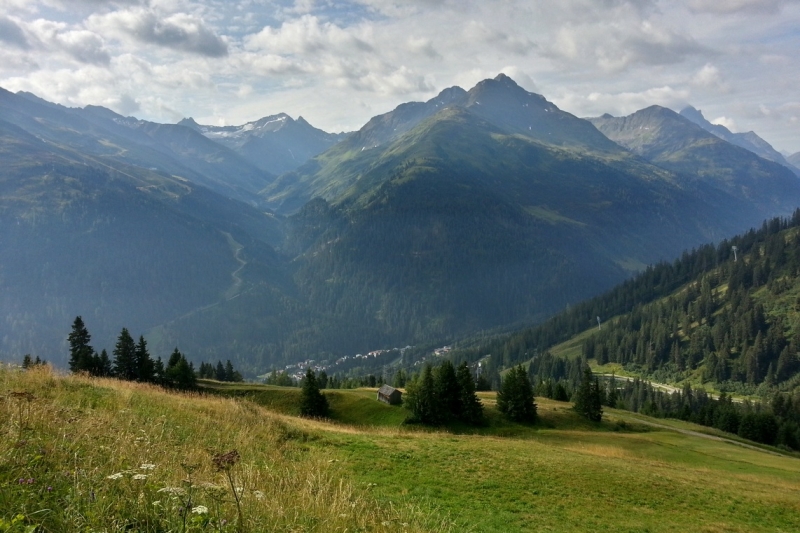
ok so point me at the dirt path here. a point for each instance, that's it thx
(698, 434)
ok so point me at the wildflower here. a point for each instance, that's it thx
(386, 523)
(147, 466)
(115, 476)
(139, 477)
(200, 509)
(258, 494)
(224, 461)
(49, 489)
(173, 491)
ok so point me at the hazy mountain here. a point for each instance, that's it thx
(755, 185)
(794, 159)
(749, 140)
(118, 244)
(173, 149)
(275, 144)
(500, 101)
(477, 209)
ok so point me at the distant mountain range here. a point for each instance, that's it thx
(274, 241)
(749, 141)
(275, 144)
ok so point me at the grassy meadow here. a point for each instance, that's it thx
(97, 455)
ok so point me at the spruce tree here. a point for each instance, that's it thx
(125, 356)
(588, 398)
(515, 397)
(144, 365)
(471, 407)
(421, 398)
(312, 401)
(448, 391)
(80, 352)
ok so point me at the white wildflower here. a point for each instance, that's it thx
(115, 476)
(173, 491)
(147, 466)
(200, 509)
(258, 494)
(139, 477)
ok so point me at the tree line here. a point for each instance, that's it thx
(132, 362)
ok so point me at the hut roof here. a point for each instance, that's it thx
(386, 390)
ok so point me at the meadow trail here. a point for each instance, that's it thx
(699, 434)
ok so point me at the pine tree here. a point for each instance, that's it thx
(220, 373)
(180, 374)
(104, 367)
(80, 352)
(229, 371)
(471, 407)
(448, 391)
(421, 398)
(27, 362)
(125, 356)
(515, 397)
(588, 398)
(312, 401)
(144, 365)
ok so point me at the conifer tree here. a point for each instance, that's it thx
(312, 401)
(103, 367)
(448, 391)
(144, 365)
(515, 397)
(421, 398)
(588, 398)
(80, 352)
(471, 407)
(125, 356)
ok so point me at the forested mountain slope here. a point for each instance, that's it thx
(724, 314)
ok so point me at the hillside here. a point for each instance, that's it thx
(721, 317)
(128, 447)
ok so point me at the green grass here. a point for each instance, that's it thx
(365, 470)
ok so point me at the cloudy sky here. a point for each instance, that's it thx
(339, 63)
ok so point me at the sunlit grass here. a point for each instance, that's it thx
(80, 454)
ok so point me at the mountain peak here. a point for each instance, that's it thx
(189, 123)
(693, 114)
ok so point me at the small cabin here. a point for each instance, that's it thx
(390, 395)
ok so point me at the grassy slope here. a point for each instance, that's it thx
(563, 474)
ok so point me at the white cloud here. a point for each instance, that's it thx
(307, 35)
(737, 6)
(178, 31)
(727, 122)
(624, 103)
(709, 77)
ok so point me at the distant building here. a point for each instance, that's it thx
(390, 395)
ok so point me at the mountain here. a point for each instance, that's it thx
(752, 184)
(794, 159)
(275, 144)
(482, 208)
(85, 233)
(749, 140)
(100, 132)
(477, 209)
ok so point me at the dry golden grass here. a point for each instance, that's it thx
(105, 455)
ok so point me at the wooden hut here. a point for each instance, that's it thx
(390, 395)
